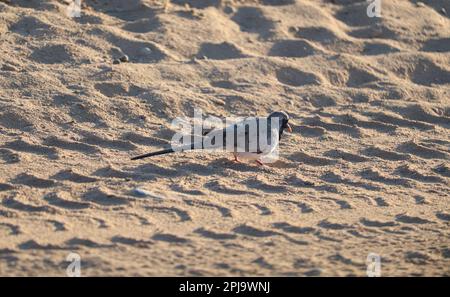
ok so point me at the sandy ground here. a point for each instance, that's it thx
(367, 169)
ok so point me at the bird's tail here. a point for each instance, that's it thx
(169, 151)
(162, 152)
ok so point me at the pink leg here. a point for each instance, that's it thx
(259, 162)
(236, 159)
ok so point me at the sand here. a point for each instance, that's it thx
(365, 171)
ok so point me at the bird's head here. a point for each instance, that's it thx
(283, 120)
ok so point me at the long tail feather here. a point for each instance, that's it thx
(162, 152)
(168, 151)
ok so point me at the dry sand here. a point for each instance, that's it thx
(367, 169)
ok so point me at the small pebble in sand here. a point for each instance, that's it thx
(420, 4)
(7, 67)
(124, 59)
(229, 9)
(116, 61)
(146, 51)
(293, 29)
(141, 192)
(443, 11)
(144, 193)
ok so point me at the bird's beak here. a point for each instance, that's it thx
(289, 128)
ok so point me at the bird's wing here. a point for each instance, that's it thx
(243, 136)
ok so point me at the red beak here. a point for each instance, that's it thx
(289, 128)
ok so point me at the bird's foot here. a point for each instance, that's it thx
(236, 159)
(259, 163)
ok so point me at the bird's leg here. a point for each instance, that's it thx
(259, 162)
(236, 158)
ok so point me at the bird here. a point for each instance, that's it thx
(255, 138)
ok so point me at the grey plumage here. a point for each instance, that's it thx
(243, 135)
